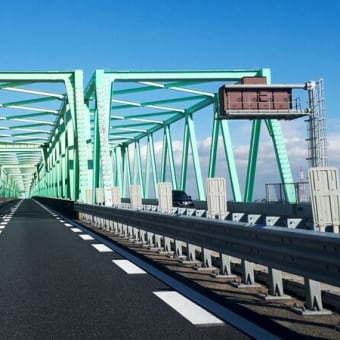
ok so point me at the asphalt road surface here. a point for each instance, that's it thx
(57, 282)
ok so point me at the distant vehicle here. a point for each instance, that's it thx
(181, 199)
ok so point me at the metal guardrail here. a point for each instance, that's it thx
(313, 255)
(298, 215)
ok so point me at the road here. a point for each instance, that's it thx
(58, 282)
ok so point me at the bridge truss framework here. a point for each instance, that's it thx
(61, 139)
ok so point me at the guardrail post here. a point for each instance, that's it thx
(142, 235)
(225, 266)
(313, 305)
(125, 231)
(191, 255)
(135, 234)
(248, 277)
(130, 232)
(150, 239)
(158, 242)
(167, 246)
(179, 249)
(207, 260)
(275, 286)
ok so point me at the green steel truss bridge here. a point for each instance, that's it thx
(59, 138)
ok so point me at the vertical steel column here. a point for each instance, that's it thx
(63, 160)
(214, 146)
(252, 160)
(103, 96)
(96, 158)
(44, 180)
(274, 127)
(138, 174)
(58, 168)
(126, 172)
(275, 132)
(117, 167)
(52, 192)
(190, 134)
(71, 142)
(83, 132)
(150, 166)
(228, 149)
(223, 125)
(78, 158)
(185, 156)
(66, 164)
(164, 158)
(171, 157)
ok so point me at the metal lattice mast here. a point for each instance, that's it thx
(316, 131)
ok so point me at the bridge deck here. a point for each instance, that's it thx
(56, 284)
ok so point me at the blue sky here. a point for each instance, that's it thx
(297, 39)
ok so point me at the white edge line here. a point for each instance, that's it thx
(86, 237)
(129, 267)
(102, 248)
(76, 230)
(188, 309)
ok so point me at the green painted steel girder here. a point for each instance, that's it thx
(88, 133)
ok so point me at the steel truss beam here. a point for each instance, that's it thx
(120, 131)
(131, 107)
(58, 96)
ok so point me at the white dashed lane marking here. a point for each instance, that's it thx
(86, 237)
(128, 267)
(102, 248)
(2, 226)
(76, 230)
(189, 310)
(68, 225)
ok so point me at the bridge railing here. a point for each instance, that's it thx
(310, 254)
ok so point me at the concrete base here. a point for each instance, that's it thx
(222, 276)
(207, 269)
(193, 263)
(274, 297)
(306, 312)
(244, 285)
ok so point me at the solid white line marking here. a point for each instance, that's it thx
(86, 237)
(76, 230)
(192, 312)
(68, 225)
(129, 267)
(102, 247)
